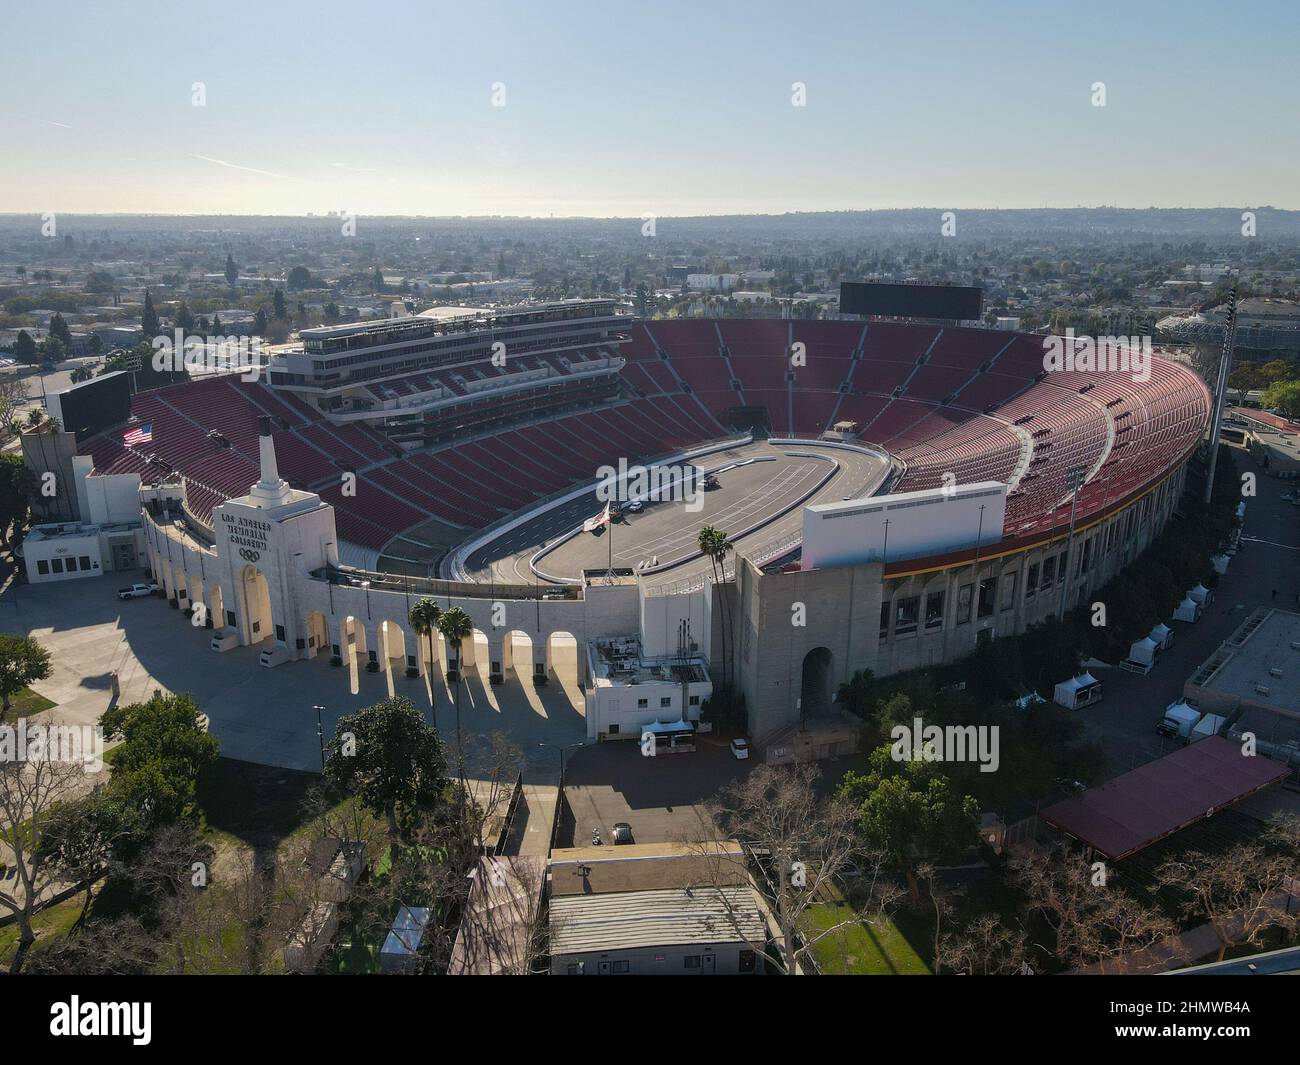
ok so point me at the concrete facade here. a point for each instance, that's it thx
(800, 635)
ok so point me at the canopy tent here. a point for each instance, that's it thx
(1200, 594)
(1188, 610)
(1134, 810)
(1079, 691)
(1141, 655)
(1163, 635)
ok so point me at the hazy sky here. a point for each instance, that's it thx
(657, 108)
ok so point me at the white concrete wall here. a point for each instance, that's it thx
(62, 548)
(930, 522)
(662, 614)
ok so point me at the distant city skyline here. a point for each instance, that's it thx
(586, 111)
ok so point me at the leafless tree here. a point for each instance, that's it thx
(1238, 892)
(986, 946)
(13, 394)
(30, 792)
(1093, 921)
(797, 848)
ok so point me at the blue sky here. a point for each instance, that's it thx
(665, 108)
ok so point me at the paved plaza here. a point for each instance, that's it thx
(259, 714)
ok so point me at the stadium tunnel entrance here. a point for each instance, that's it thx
(815, 686)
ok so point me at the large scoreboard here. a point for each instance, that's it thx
(94, 405)
(960, 303)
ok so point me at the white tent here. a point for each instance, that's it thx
(1163, 636)
(1200, 594)
(1188, 610)
(1080, 691)
(1241, 509)
(1141, 655)
(1220, 564)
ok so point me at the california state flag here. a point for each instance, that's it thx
(592, 524)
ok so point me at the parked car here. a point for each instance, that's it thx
(622, 832)
(138, 591)
(635, 507)
(740, 748)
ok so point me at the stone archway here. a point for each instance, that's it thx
(352, 649)
(316, 634)
(562, 657)
(815, 683)
(392, 652)
(517, 653)
(255, 606)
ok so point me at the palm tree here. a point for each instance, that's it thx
(456, 626)
(714, 543)
(424, 620)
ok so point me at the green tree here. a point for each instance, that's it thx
(232, 271)
(164, 751)
(16, 486)
(713, 542)
(260, 323)
(391, 759)
(280, 310)
(424, 620)
(456, 626)
(59, 328)
(25, 347)
(52, 351)
(22, 660)
(1284, 396)
(909, 811)
(184, 317)
(84, 835)
(149, 318)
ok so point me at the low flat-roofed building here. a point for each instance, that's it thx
(1257, 667)
(631, 691)
(657, 908)
(66, 551)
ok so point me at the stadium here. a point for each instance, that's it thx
(457, 453)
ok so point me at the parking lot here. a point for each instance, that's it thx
(661, 798)
(1265, 572)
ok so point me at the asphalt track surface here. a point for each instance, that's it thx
(748, 495)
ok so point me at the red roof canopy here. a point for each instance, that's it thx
(1135, 810)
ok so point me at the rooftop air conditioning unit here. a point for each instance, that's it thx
(1263, 689)
(1275, 672)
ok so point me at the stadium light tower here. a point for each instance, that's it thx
(1221, 392)
(1075, 478)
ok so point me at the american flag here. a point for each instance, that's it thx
(141, 435)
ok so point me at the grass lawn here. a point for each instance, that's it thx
(51, 924)
(24, 703)
(874, 949)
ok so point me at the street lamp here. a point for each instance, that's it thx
(320, 736)
(563, 751)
